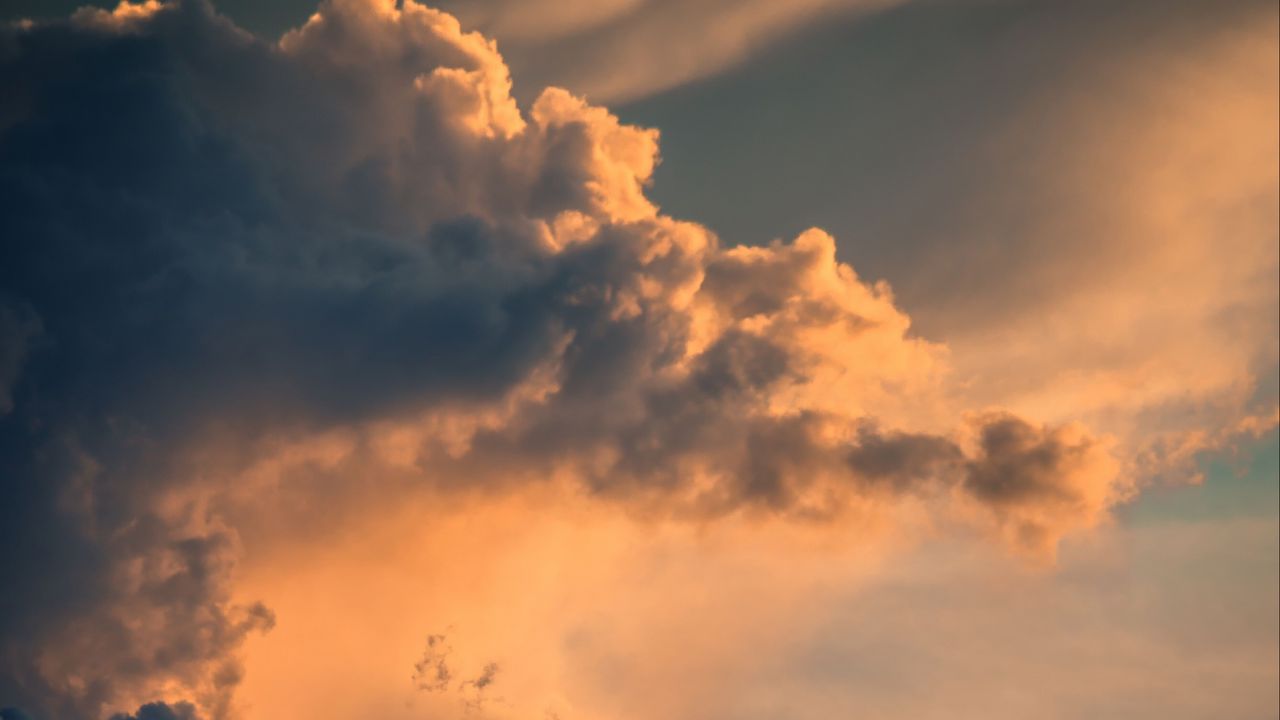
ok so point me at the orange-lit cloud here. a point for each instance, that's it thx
(332, 323)
(1141, 295)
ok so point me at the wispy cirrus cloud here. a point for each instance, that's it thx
(622, 50)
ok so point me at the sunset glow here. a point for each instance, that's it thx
(632, 360)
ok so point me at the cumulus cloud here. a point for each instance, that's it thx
(351, 252)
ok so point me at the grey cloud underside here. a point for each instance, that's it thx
(208, 235)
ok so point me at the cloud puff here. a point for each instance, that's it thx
(355, 233)
(161, 711)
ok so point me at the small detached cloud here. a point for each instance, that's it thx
(434, 674)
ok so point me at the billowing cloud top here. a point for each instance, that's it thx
(351, 251)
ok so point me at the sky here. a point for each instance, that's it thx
(639, 360)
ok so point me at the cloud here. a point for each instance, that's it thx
(161, 711)
(431, 673)
(18, 327)
(254, 287)
(593, 617)
(1039, 482)
(1086, 221)
(621, 50)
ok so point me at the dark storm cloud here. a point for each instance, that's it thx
(166, 273)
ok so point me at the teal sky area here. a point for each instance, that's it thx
(1245, 484)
